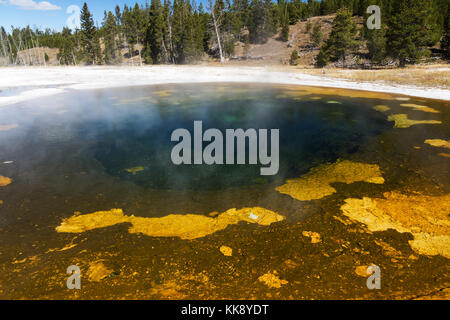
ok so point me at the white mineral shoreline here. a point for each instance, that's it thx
(37, 82)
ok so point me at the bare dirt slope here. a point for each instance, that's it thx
(36, 56)
(276, 51)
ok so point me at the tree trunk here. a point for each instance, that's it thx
(139, 50)
(165, 51)
(169, 26)
(216, 28)
(4, 49)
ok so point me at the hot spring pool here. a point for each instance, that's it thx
(93, 151)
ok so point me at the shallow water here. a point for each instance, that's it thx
(96, 150)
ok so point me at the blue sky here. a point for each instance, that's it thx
(51, 13)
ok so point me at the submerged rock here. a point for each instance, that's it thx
(226, 251)
(438, 143)
(316, 183)
(381, 108)
(4, 181)
(314, 236)
(135, 170)
(272, 280)
(425, 217)
(420, 108)
(187, 226)
(362, 271)
(98, 271)
(402, 121)
(163, 93)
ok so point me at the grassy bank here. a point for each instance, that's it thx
(437, 75)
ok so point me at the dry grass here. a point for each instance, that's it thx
(426, 75)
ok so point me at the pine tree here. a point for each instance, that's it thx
(284, 19)
(262, 22)
(293, 61)
(376, 44)
(316, 35)
(435, 20)
(410, 30)
(284, 32)
(342, 41)
(119, 42)
(186, 48)
(192, 47)
(205, 31)
(154, 39)
(313, 8)
(177, 21)
(109, 38)
(66, 50)
(97, 47)
(88, 35)
(129, 29)
(322, 58)
(308, 26)
(297, 10)
(169, 40)
(240, 19)
(199, 32)
(140, 26)
(445, 43)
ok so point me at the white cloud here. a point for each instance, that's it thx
(33, 5)
(3, 2)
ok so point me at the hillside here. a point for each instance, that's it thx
(275, 51)
(36, 56)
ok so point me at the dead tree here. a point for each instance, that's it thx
(216, 22)
(169, 27)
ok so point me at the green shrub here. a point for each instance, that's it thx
(294, 58)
